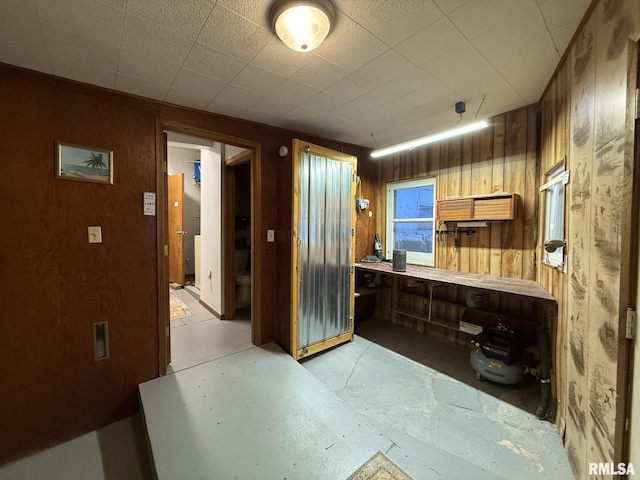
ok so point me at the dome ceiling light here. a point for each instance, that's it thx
(302, 24)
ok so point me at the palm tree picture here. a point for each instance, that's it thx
(84, 164)
(96, 160)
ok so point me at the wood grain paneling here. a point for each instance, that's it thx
(502, 158)
(580, 121)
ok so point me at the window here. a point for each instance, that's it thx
(556, 178)
(410, 219)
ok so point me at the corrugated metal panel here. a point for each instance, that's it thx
(325, 248)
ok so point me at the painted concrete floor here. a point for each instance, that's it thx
(431, 423)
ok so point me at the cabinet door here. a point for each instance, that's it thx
(461, 209)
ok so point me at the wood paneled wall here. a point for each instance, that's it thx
(585, 112)
(55, 284)
(501, 158)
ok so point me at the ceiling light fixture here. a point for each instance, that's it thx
(302, 24)
(472, 127)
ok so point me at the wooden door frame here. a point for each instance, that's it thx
(162, 228)
(630, 268)
(229, 208)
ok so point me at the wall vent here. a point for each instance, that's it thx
(100, 341)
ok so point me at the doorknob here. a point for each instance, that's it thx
(181, 232)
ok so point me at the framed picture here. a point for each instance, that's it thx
(84, 164)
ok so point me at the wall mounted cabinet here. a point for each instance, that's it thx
(497, 207)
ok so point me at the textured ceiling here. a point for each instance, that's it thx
(391, 70)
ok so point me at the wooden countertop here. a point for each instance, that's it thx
(527, 289)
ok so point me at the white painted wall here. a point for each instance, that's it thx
(211, 287)
(180, 160)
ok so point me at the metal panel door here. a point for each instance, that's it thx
(323, 249)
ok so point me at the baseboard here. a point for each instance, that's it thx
(210, 309)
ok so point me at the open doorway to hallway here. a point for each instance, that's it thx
(209, 230)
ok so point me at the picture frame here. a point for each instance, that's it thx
(84, 164)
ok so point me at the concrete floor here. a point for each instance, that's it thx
(434, 420)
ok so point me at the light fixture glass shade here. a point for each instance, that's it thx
(302, 25)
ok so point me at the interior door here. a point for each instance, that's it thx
(176, 228)
(323, 248)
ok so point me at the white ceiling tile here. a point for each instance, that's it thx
(322, 103)
(233, 34)
(413, 80)
(185, 17)
(294, 91)
(260, 116)
(138, 86)
(529, 87)
(255, 10)
(188, 98)
(64, 67)
(396, 20)
(511, 44)
(353, 8)
(348, 111)
(274, 105)
(258, 80)
(463, 59)
(189, 80)
(448, 6)
(431, 42)
(276, 57)
(558, 13)
(213, 63)
(562, 35)
(320, 73)
(381, 70)
(152, 68)
(240, 96)
(89, 18)
(21, 40)
(86, 50)
(351, 46)
(222, 107)
(146, 38)
(346, 89)
(478, 16)
(117, 4)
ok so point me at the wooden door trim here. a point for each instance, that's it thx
(162, 228)
(228, 202)
(162, 246)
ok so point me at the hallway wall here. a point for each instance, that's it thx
(56, 284)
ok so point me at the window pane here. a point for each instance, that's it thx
(416, 202)
(413, 236)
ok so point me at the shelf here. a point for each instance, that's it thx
(497, 207)
(439, 323)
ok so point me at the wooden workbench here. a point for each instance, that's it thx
(525, 289)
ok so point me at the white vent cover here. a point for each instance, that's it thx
(100, 341)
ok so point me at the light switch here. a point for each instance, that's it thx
(271, 236)
(95, 234)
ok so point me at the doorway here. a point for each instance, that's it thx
(197, 164)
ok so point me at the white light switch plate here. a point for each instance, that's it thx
(95, 234)
(271, 236)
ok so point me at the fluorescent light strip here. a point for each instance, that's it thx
(429, 139)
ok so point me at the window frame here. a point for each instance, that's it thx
(416, 258)
(555, 201)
